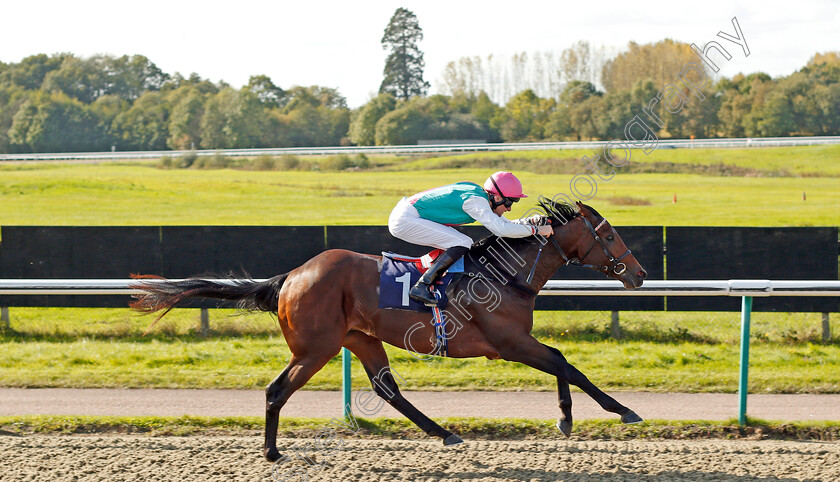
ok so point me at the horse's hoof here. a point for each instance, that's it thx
(452, 440)
(272, 455)
(631, 417)
(565, 427)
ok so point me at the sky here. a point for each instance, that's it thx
(337, 43)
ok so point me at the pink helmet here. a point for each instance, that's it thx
(505, 182)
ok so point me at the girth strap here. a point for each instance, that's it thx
(442, 341)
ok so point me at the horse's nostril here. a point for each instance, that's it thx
(642, 274)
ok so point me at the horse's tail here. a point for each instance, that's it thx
(158, 293)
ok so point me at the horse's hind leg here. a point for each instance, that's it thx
(370, 352)
(296, 374)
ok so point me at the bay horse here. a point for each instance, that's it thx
(332, 300)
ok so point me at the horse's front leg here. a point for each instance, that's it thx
(548, 359)
(564, 423)
(564, 397)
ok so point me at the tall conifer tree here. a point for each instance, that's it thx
(403, 74)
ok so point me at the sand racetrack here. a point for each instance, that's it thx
(225, 458)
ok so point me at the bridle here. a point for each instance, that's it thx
(616, 266)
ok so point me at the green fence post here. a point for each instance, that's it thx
(746, 310)
(346, 380)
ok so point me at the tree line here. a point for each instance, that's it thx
(582, 95)
(51, 103)
(65, 103)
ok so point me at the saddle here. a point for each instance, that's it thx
(424, 262)
(398, 273)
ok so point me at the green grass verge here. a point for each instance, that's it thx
(252, 362)
(73, 324)
(468, 428)
(660, 351)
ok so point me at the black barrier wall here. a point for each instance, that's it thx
(752, 253)
(31, 252)
(258, 251)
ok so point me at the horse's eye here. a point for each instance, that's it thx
(610, 237)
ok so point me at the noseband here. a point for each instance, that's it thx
(616, 266)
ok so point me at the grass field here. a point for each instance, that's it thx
(142, 194)
(99, 195)
(808, 161)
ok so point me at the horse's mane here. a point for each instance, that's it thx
(562, 212)
(558, 211)
(554, 213)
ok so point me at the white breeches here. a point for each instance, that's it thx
(405, 223)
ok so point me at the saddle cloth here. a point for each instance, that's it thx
(399, 273)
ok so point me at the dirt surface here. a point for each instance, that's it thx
(533, 405)
(338, 454)
(117, 458)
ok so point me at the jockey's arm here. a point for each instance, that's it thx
(479, 209)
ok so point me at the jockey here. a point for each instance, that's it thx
(426, 219)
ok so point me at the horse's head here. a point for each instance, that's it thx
(585, 238)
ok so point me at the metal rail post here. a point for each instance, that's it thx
(615, 327)
(826, 327)
(205, 322)
(4, 317)
(346, 380)
(746, 311)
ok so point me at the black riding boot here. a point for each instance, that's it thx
(420, 292)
